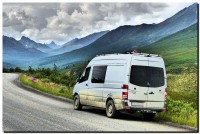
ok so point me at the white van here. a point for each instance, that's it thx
(134, 82)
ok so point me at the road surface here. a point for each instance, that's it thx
(27, 111)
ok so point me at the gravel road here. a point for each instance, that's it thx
(30, 112)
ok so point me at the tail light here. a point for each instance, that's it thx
(125, 86)
(125, 92)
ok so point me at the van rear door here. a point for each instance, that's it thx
(147, 82)
(157, 83)
(137, 93)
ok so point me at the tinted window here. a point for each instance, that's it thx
(147, 76)
(156, 78)
(98, 74)
(138, 76)
(85, 75)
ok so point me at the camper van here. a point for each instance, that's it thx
(133, 82)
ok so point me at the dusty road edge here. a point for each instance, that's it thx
(20, 84)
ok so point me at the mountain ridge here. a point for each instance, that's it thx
(77, 43)
(17, 54)
(125, 38)
(53, 45)
(28, 43)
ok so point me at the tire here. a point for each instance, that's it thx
(111, 111)
(149, 116)
(77, 105)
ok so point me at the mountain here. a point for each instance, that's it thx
(28, 43)
(53, 45)
(86, 40)
(78, 43)
(126, 38)
(177, 49)
(14, 53)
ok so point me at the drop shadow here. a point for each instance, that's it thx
(94, 110)
(121, 115)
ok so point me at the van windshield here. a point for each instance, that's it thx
(146, 76)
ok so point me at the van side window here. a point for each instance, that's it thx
(98, 74)
(85, 75)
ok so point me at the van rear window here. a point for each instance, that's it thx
(98, 74)
(146, 76)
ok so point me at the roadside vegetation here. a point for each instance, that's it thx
(182, 105)
(179, 111)
(13, 70)
(53, 81)
(47, 86)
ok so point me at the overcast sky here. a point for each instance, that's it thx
(61, 22)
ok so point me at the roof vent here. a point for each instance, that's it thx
(131, 52)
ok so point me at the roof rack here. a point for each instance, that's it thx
(140, 53)
(134, 52)
(107, 54)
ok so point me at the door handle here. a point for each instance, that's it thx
(151, 93)
(145, 93)
(148, 84)
(86, 84)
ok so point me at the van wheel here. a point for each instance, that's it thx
(77, 105)
(111, 111)
(149, 116)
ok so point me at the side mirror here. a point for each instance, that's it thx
(78, 79)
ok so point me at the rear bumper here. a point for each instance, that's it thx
(128, 108)
(143, 110)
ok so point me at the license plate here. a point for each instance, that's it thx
(136, 104)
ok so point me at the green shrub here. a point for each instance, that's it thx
(183, 86)
(62, 89)
(47, 87)
(69, 93)
(179, 111)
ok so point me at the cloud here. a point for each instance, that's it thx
(78, 20)
(62, 22)
(32, 32)
(70, 8)
(18, 19)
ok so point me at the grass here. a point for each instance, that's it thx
(180, 112)
(183, 87)
(178, 50)
(183, 100)
(45, 85)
